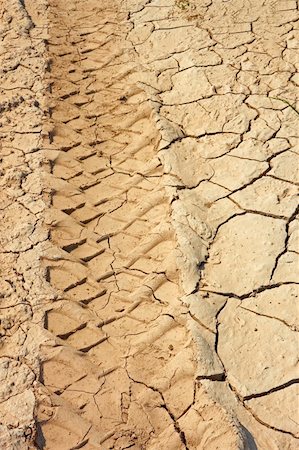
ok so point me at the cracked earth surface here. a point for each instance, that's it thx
(149, 229)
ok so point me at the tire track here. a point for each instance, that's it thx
(118, 370)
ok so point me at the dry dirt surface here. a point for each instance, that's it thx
(149, 224)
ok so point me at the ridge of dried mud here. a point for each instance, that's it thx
(149, 285)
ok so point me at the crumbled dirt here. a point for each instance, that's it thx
(149, 225)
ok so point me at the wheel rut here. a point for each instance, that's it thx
(119, 369)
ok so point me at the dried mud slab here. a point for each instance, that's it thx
(24, 291)
(149, 229)
(225, 94)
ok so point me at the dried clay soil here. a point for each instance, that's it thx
(149, 229)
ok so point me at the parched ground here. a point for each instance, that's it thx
(149, 224)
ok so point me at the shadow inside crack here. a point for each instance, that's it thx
(251, 445)
(39, 440)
